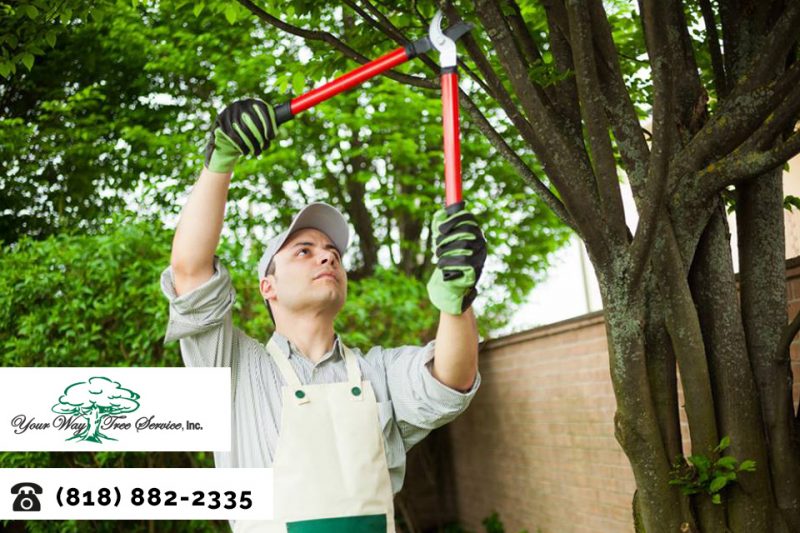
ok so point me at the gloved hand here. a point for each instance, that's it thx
(244, 127)
(461, 253)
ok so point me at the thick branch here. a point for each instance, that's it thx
(658, 168)
(496, 89)
(526, 44)
(605, 168)
(777, 42)
(741, 115)
(566, 90)
(563, 157)
(738, 168)
(625, 123)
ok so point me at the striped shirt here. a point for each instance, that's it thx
(411, 402)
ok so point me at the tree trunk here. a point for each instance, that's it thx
(763, 279)
(749, 501)
(93, 431)
(635, 422)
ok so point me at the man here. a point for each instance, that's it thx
(334, 424)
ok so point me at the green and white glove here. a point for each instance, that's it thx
(461, 253)
(244, 127)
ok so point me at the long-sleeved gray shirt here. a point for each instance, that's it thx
(411, 402)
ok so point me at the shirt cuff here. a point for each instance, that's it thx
(438, 390)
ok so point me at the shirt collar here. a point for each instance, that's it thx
(288, 348)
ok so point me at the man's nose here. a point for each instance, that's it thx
(328, 256)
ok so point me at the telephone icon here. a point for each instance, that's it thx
(26, 499)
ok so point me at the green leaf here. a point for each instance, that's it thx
(700, 461)
(27, 60)
(748, 465)
(198, 8)
(718, 484)
(298, 82)
(716, 498)
(727, 462)
(724, 443)
(31, 11)
(791, 202)
(230, 13)
(5, 68)
(50, 37)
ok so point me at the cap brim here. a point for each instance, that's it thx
(319, 216)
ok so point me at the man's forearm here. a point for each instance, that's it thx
(200, 224)
(455, 360)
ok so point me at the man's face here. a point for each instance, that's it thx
(308, 275)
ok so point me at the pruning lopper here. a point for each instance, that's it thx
(437, 39)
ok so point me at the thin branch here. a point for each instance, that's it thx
(382, 23)
(712, 40)
(385, 25)
(314, 35)
(516, 161)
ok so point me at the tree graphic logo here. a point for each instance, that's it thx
(94, 400)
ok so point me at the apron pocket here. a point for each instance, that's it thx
(375, 523)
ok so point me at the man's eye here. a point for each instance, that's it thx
(302, 250)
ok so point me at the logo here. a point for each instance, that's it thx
(114, 408)
(26, 499)
(90, 404)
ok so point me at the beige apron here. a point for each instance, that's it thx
(330, 471)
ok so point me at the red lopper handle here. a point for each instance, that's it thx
(452, 139)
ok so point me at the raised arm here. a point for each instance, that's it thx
(199, 227)
(461, 253)
(244, 127)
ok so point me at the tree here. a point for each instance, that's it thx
(115, 115)
(574, 82)
(95, 399)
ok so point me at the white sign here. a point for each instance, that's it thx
(136, 493)
(115, 409)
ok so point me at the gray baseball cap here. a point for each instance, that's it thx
(317, 215)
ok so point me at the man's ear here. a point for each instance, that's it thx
(267, 287)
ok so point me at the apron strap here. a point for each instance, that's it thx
(353, 374)
(290, 376)
(351, 362)
(286, 369)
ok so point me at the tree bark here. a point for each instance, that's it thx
(759, 215)
(749, 500)
(635, 421)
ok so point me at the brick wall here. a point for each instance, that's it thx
(537, 444)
